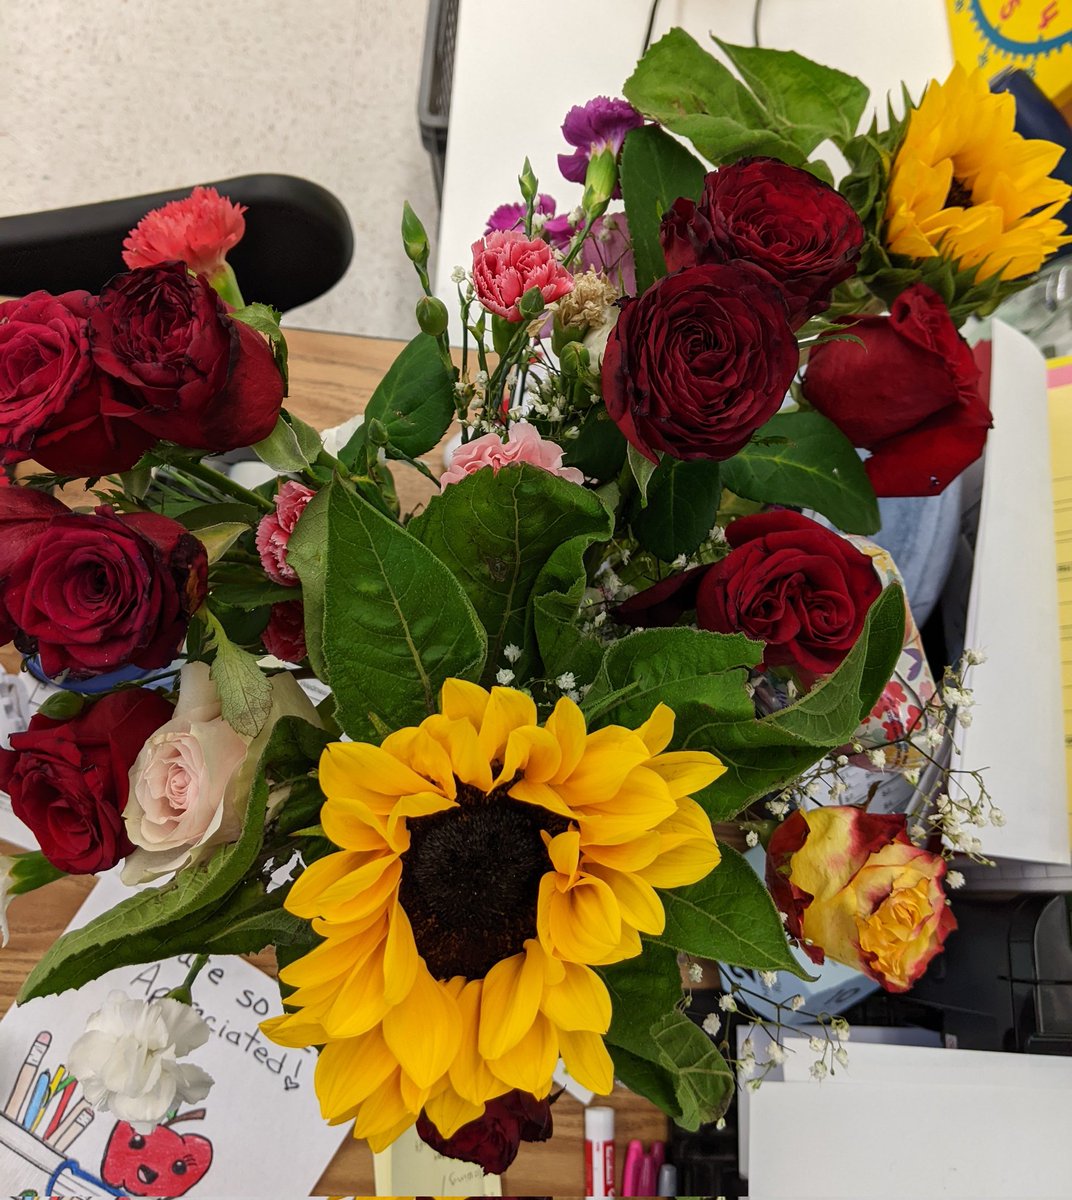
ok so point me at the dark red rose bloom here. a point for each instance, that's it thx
(194, 375)
(802, 232)
(910, 394)
(284, 635)
(788, 582)
(699, 362)
(94, 592)
(68, 780)
(492, 1140)
(53, 397)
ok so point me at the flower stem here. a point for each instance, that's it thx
(223, 483)
(182, 993)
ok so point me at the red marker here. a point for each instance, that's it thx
(599, 1152)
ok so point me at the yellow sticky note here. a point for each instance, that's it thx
(1059, 387)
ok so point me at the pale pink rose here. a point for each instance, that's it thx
(506, 265)
(273, 533)
(190, 785)
(198, 229)
(524, 445)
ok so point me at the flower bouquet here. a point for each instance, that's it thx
(640, 606)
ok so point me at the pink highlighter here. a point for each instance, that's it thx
(640, 1173)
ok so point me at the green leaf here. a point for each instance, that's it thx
(218, 539)
(804, 460)
(414, 400)
(203, 515)
(159, 922)
(281, 449)
(496, 530)
(642, 991)
(656, 170)
(241, 585)
(728, 916)
(265, 319)
(307, 553)
(647, 1079)
(809, 102)
(642, 469)
(599, 449)
(396, 623)
(703, 1081)
(683, 500)
(244, 690)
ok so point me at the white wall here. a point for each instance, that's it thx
(118, 97)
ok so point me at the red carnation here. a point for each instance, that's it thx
(284, 635)
(198, 229)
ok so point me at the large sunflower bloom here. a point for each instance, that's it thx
(967, 187)
(487, 863)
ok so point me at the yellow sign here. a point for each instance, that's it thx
(1032, 35)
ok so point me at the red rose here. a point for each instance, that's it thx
(94, 592)
(910, 394)
(802, 232)
(52, 396)
(284, 635)
(699, 362)
(196, 376)
(68, 780)
(787, 582)
(492, 1140)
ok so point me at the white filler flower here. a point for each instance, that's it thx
(126, 1059)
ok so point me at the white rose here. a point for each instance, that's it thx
(126, 1059)
(190, 785)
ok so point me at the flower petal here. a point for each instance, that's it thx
(587, 1060)
(425, 1030)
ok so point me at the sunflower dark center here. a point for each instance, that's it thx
(470, 880)
(960, 195)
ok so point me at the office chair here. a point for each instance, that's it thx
(298, 241)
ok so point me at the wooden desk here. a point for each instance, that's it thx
(332, 377)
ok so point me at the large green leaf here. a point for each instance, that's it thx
(808, 101)
(804, 460)
(655, 171)
(647, 1079)
(173, 919)
(703, 1080)
(496, 531)
(728, 916)
(414, 401)
(396, 623)
(683, 499)
(306, 553)
(642, 991)
(244, 691)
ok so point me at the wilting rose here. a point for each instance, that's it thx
(199, 230)
(274, 530)
(910, 394)
(523, 445)
(68, 779)
(284, 635)
(802, 232)
(93, 592)
(507, 264)
(788, 582)
(492, 1140)
(195, 376)
(854, 887)
(190, 785)
(699, 362)
(52, 396)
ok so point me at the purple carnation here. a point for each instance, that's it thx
(592, 127)
(512, 216)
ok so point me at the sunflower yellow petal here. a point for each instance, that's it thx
(294, 1029)
(400, 960)
(567, 726)
(531, 1063)
(448, 1111)
(580, 1000)
(349, 1071)
(371, 765)
(658, 729)
(424, 1031)
(463, 701)
(507, 710)
(510, 1000)
(534, 751)
(638, 900)
(384, 1115)
(304, 896)
(584, 922)
(564, 851)
(424, 755)
(360, 1002)
(587, 1060)
(687, 771)
(469, 1073)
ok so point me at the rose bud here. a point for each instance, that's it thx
(284, 635)
(53, 400)
(492, 1140)
(94, 592)
(788, 582)
(68, 780)
(195, 376)
(699, 362)
(855, 888)
(507, 265)
(802, 232)
(274, 530)
(910, 394)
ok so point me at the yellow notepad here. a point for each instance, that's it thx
(1060, 395)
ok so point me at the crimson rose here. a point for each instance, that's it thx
(787, 582)
(910, 394)
(54, 402)
(68, 780)
(196, 377)
(802, 232)
(94, 592)
(699, 362)
(492, 1140)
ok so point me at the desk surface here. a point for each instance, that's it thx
(332, 377)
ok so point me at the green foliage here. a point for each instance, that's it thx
(682, 503)
(242, 585)
(393, 621)
(291, 446)
(656, 170)
(307, 554)
(801, 459)
(244, 691)
(599, 449)
(496, 531)
(265, 319)
(642, 469)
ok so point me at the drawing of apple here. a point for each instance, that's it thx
(162, 1163)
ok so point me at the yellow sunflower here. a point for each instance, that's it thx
(487, 863)
(966, 186)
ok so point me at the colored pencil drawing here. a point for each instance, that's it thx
(161, 1163)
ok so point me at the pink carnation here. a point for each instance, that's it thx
(198, 230)
(273, 533)
(524, 445)
(506, 265)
